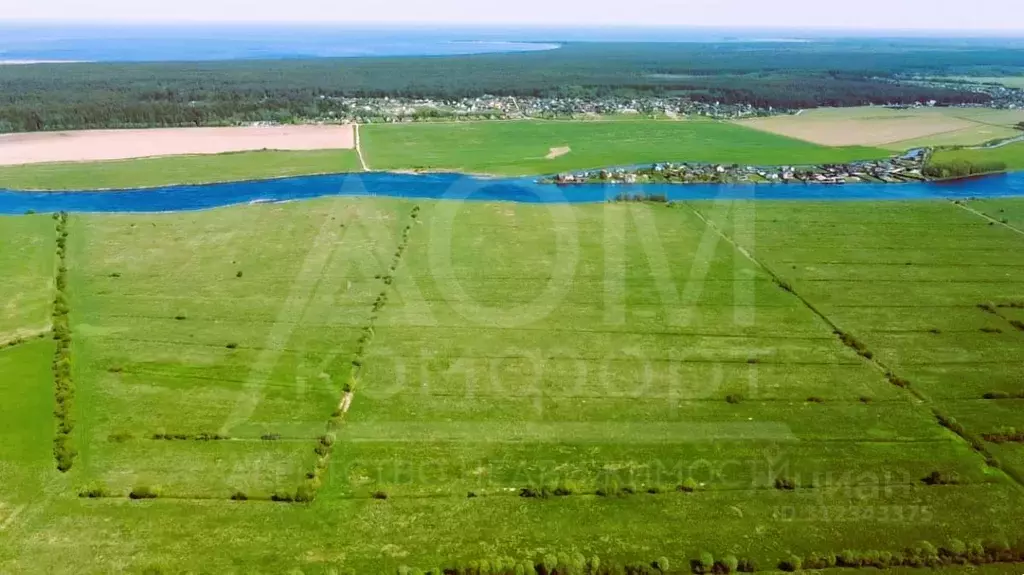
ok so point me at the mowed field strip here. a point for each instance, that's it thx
(94, 145)
(896, 129)
(615, 352)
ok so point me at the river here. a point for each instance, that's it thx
(459, 187)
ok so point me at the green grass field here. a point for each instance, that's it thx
(594, 348)
(520, 148)
(1011, 154)
(27, 262)
(152, 172)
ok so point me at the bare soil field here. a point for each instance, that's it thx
(557, 152)
(871, 126)
(92, 145)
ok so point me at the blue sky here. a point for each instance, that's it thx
(996, 15)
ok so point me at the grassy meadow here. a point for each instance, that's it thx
(27, 262)
(196, 169)
(663, 369)
(1011, 154)
(521, 148)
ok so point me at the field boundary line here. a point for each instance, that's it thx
(310, 487)
(851, 342)
(359, 148)
(963, 206)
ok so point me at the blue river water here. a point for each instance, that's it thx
(460, 187)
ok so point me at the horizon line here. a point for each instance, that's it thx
(958, 32)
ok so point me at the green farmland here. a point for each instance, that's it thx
(521, 148)
(152, 172)
(667, 380)
(1011, 154)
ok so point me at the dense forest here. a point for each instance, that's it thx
(785, 75)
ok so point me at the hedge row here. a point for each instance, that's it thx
(1004, 435)
(204, 436)
(855, 344)
(576, 564)
(924, 554)
(310, 486)
(63, 386)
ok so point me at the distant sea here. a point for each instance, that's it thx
(27, 43)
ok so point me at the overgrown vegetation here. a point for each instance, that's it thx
(64, 391)
(961, 169)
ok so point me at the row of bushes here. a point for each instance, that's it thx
(204, 436)
(1004, 435)
(310, 486)
(854, 344)
(953, 425)
(63, 451)
(610, 489)
(642, 197)
(924, 554)
(138, 492)
(576, 564)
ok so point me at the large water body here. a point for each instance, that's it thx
(206, 42)
(465, 188)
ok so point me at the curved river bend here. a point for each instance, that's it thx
(459, 187)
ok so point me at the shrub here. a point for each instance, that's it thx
(728, 564)
(238, 275)
(939, 478)
(865, 399)
(232, 345)
(239, 496)
(704, 564)
(380, 495)
(180, 317)
(307, 491)
(996, 395)
(747, 566)
(688, 485)
(94, 492)
(784, 484)
(661, 564)
(734, 398)
(282, 496)
(815, 399)
(143, 492)
(793, 563)
(471, 495)
(270, 436)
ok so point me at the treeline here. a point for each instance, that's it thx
(792, 75)
(962, 169)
